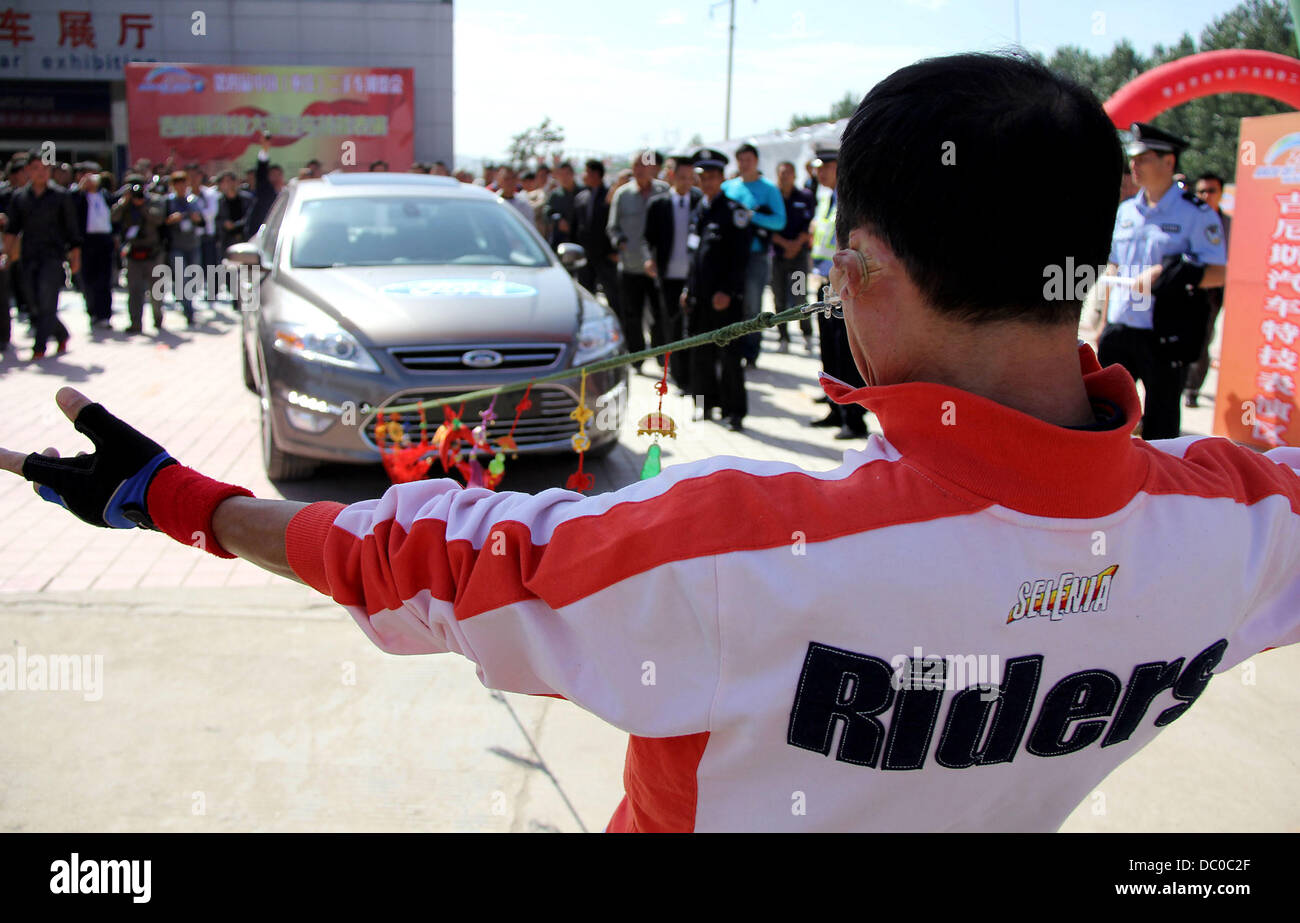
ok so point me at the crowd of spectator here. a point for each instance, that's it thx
(76, 226)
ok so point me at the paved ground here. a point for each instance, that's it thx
(234, 700)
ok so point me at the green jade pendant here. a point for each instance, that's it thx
(651, 466)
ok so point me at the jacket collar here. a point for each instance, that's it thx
(1009, 457)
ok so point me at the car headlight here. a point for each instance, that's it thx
(322, 342)
(598, 336)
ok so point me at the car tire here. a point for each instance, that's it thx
(280, 466)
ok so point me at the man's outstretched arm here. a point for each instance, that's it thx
(522, 585)
(130, 480)
(254, 529)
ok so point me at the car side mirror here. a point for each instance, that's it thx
(246, 254)
(572, 255)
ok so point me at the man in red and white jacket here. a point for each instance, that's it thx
(965, 626)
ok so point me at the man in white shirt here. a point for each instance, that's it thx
(508, 180)
(667, 229)
(92, 208)
(209, 200)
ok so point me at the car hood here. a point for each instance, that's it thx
(416, 305)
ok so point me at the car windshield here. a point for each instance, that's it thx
(409, 230)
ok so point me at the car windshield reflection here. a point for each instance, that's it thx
(405, 230)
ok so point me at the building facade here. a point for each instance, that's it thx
(62, 61)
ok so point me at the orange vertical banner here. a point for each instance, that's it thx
(1259, 364)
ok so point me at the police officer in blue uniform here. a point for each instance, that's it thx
(718, 244)
(1166, 231)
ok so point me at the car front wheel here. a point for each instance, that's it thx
(280, 466)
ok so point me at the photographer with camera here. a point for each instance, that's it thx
(139, 216)
(184, 224)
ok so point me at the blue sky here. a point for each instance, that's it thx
(617, 75)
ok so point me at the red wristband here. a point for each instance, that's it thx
(181, 503)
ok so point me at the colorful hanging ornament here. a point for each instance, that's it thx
(507, 442)
(580, 480)
(656, 425)
(403, 461)
(454, 445)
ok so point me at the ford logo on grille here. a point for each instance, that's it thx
(482, 358)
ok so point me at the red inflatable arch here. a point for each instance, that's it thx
(1233, 70)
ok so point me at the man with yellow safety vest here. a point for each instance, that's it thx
(837, 359)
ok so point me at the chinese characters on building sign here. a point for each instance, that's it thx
(76, 30)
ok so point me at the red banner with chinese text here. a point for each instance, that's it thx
(345, 117)
(1259, 362)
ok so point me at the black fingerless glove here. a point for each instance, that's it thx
(107, 488)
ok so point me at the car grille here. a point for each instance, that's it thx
(547, 421)
(450, 358)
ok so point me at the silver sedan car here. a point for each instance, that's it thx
(378, 289)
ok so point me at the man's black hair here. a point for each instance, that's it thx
(958, 164)
(565, 165)
(1214, 176)
(597, 166)
(530, 176)
(747, 148)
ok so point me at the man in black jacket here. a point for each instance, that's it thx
(718, 242)
(17, 179)
(267, 183)
(234, 208)
(667, 227)
(42, 222)
(591, 213)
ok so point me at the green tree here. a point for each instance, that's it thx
(839, 110)
(537, 143)
(1210, 123)
(798, 121)
(844, 108)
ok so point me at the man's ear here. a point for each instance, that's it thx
(852, 273)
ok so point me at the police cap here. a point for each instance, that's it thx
(1149, 138)
(825, 155)
(706, 158)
